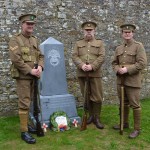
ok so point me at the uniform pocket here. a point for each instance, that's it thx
(25, 51)
(119, 53)
(14, 72)
(131, 57)
(82, 50)
(95, 50)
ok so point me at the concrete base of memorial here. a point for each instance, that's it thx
(51, 104)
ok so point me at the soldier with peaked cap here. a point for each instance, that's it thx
(129, 60)
(92, 51)
(24, 52)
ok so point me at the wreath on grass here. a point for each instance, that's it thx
(60, 121)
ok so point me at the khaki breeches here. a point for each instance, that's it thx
(132, 96)
(25, 93)
(96, 91)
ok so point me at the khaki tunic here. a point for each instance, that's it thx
(92, 52)
(133, 56)
(24, 52)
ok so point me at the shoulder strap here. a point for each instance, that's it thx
(20, 41)
(138, 42)
(22, 44)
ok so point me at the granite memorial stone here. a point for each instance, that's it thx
(54, 76)
(54, 94)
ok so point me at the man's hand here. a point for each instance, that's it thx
(36, 72)
(122, 70)
(40, 69)
(86, 67)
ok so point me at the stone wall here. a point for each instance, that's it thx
(61, 19)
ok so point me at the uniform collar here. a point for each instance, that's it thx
(128, 43)
(91, 41)
(26, 36)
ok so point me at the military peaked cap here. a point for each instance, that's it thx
(89, 25)
(128, 27)
(28, 18)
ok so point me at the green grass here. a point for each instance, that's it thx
(74, 139)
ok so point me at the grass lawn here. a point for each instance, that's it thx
(74, 139)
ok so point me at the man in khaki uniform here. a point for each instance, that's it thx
(24, 52)
(90, 50)
(129, 60)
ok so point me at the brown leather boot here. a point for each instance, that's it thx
(97, 111)
(134, 134)
(97, 123)
(117, 127)
(90, 119)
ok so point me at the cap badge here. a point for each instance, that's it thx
(88, 25)
(32, 17)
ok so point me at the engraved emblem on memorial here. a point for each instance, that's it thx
(54, 57)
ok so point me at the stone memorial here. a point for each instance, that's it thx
(54, 94)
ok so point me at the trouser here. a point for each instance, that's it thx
(25, 94)
(96, 94)
(131, 99)
(96, 91)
